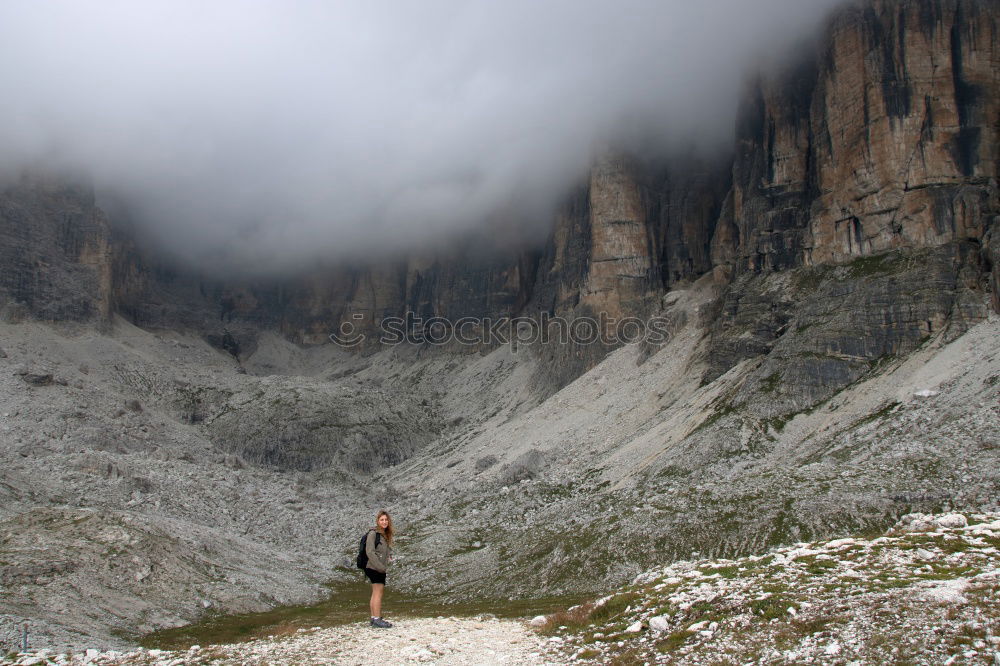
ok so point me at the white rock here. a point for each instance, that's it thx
(920, 526)
(832, 648)
(911, 517)
(925, 393)
(946, 593)
(952, 520)
(698, 626)
(537, 621)
(635, 627)
(659, 623)
(838, 543)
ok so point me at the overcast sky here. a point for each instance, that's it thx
(259, 134)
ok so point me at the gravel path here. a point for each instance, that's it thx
(442, 640)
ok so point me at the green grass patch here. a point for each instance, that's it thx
(778, 423)
(810, 278)
(953, 545)
(614, 607)
(674, 472)
(886, 582)
(346, 601)
(673, 641)
(814, 625)
(704, 611)
(877, 265)
(877, 415)
(771, 607)
(720, 412)
(729, 571)
(941, 571)
(771, 383)
(819, 567)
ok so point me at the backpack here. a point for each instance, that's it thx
(362, 560)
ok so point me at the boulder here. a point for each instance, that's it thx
(659, 623)
(951, 520)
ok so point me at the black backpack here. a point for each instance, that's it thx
(362, 561)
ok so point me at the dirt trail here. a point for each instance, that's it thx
(441, 640)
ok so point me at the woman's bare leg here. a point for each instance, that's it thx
(375, 605)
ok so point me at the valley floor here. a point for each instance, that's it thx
(927, 592)
(150, 480)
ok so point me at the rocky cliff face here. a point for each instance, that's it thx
(55, 252)
(883, 139)
(878, 155)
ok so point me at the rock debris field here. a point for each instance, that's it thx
(926, 592)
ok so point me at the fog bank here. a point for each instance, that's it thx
(263, 134)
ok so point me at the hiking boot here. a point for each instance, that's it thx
(380, 623)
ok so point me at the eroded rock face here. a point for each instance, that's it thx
(356, 431)
(310, 306)
(991, 259)
(621, 273)
(819, 329)
(878, 156)
(690, 201)
(55, 250)
(887, 138)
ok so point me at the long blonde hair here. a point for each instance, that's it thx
(388, 528)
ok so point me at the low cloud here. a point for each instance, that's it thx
(263, 134)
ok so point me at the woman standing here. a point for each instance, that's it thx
(377, 545)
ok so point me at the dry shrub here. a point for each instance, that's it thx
(575, 617)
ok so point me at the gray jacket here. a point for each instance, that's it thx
(378, 558)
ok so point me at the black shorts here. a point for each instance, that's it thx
(375, 576)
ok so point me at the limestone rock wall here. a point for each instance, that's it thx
(885, 137)
(882, 138)
(871, 170)
(55, 252)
